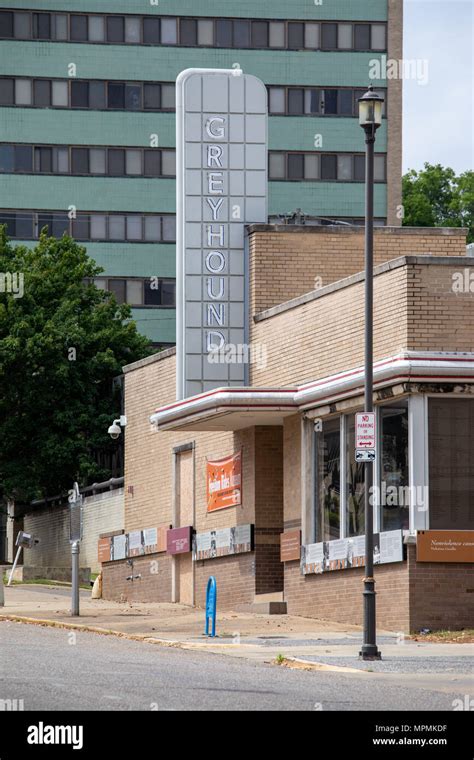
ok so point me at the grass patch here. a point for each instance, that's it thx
(465, 636)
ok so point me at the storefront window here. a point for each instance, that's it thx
(451, 463)
(328, 483)
(394, 485)
(355, 489)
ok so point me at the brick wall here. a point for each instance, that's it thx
(102, 512)
(268, 508)
(235, 577)
(153, 586)
(394, 122)
(285, 261)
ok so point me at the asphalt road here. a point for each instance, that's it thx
(53, 669)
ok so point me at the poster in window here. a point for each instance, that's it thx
(224, 482)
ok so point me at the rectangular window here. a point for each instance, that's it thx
(116, 162)
(259, 34)
(379, 168)
(330, 102)
(152, 229)
(311, 166)
(135, 292)
(345, 102)
(151, 96)
(22, 26)
(23, 158)
(60, 26)
(133, 97)
(42, 92)
(152, 163)
(10, 221)
(311, 36)
(116, 227)
(296, 166)
(379, 37)
(97, 160)
(98, 227)
(78, 28)
(169, 229)
(79, 94)
(115, 29)
(361, 36)
(168, 293)
(277, 100)
(359, 168)
(344, 168)
(312, 99)
(295, 101)
(45, 222)
(328, 481)
(60, 225)
(80, 227)
(7, 88)
(6, 158)
(116, 95)
(96, 29)
(223, 32)
(205, 33)
(168, 31)
(188, 31)
(100, 283)
(24, 225)
(168, 97)
(328, 167)
(394, 482)
(276, 34)
(134, 227)
(23, 92)
(97, 95)
(133, 162)
(6, 24)
(355, 485)
(295, 36)
(151, 31)
(132, 30)
(118, 289)
(451, 463)
(241, 34)
(276, 169)
(168, 163)
(44, 160)
(344, 36)
(60, 95)
(152, 292)
(42, 26)
(80, 160)
(329, 36)
(60, 160)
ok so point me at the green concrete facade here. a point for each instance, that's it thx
(56, 126)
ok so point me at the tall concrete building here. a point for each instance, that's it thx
(87, 141)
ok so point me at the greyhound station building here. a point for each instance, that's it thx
(240, 443)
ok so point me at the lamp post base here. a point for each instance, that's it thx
(370, 652)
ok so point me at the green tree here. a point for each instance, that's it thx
(62, 342)
(436, 197)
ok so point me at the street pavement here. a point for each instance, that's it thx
(57, 669)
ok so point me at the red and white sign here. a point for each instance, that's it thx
(365, 430)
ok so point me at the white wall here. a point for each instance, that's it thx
(102, 513)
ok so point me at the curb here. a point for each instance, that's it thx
(297, 663)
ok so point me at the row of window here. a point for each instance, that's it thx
(148, 228)
(300, 101)
(191, 32)
(342, 167)
(140, 292)
(111, 162)
(153, 96)
(95, 94)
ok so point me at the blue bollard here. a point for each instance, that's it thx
(211, 602)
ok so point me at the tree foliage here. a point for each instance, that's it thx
(437, 197)
(61, 345)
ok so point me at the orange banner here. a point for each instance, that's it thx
(224, 482)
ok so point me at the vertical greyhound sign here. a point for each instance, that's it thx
(221, 144)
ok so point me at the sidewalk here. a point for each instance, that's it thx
(302, 642)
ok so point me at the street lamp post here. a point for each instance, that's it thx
(370, 119)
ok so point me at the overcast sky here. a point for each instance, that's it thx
(439, 117)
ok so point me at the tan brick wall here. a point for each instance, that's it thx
(285, 264)
(395, 112)
(153, 586)
(268, 508)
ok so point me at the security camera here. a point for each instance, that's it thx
(114, 431)
(116, 428)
